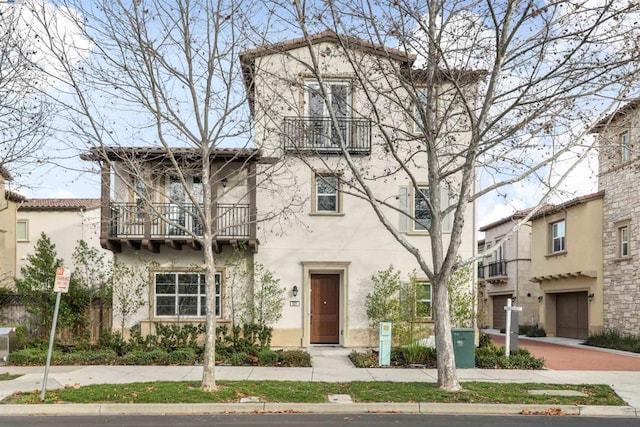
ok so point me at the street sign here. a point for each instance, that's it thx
(63, 276)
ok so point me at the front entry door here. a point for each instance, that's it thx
(325, 308)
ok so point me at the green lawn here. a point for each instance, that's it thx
(5, 376)
(316, 392)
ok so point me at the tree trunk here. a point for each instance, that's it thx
(447, 378)
(209, 366)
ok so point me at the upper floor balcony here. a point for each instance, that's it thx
(320, 135)
(174, 225)
(493, 272)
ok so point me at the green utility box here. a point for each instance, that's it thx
(464, 348)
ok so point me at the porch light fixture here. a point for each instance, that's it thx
(540, 298)
(224, 182)
(294, 291)
(590, 296)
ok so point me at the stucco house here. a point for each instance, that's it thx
(9, 203)
(618, 158)
(65, 221)
(505, 270)
(566, 261)
(324, 251)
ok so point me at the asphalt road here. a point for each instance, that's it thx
(320, 420)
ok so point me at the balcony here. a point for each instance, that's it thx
(174, 225)
(319, 135)
(494, 272)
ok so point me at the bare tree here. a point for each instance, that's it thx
(166, 73)
(474, 97)
(24, 111)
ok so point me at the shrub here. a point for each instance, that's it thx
(484, 340)
(295, 358)
(239, 358)
(101, 357)
(493, 357)
(112, 341)
(615, 340)
(182, 356)
(171, 337)
(267, 357)
(31, 356)
(532, 331)
(139, 357)
(369, 359)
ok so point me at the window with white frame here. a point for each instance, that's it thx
(623, 241)
(415, 300)
(22, 230)
(421, 211)
(624, 146)
(423, 300)
(327, 198)
(558, 232)
(420, 109)
(184, 294)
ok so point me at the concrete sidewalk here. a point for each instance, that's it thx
(626, 384)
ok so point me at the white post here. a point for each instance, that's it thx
(51, 339)
(507, 337)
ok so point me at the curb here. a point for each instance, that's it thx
(317, 408)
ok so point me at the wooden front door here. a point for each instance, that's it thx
(325, 308)
(572, 319)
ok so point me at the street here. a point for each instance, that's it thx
(355, 420)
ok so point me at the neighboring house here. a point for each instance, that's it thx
(64, 221)
(324, 254)
(505, 270)
(566, 261)
(8, 206)
(619, 178)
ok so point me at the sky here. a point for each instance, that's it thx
(62, 178)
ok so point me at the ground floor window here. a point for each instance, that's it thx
(183, 294)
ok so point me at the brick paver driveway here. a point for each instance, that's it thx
(561, 357)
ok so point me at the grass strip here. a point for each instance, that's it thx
(316, 392)
(5, 376)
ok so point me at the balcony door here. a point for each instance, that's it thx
(176, 213)
(321, 132)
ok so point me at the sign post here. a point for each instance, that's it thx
(507, 339)
(61, 285)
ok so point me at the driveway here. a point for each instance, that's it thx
(574, 357)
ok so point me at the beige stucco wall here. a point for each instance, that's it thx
(7, 241)
(517, 255)
(579, 268)
(65, 229)
(352, 243)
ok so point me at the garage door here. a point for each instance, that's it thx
(571, 315)
(499, 314)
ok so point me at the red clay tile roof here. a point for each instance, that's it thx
(5, 173)
(59, 204)
(159, 153)
(511, 218)
(13, 196)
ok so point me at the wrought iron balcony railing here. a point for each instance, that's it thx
(319, 134)
(497, 268)
(173, 220)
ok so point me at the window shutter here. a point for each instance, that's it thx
(445, 201)
(403, 205)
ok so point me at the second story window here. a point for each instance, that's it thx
(625, 151)
(558, 233)
(327, 195)
(22, 230)
(139, 196)
(421, 211)
(623, 241)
